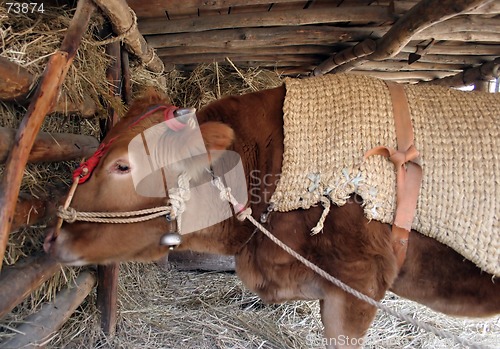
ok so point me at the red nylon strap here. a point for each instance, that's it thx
(84, 171)
(408, 171)
(168, 114)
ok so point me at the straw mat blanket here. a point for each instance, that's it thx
(331, 121)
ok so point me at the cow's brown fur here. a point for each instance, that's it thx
(351, 248)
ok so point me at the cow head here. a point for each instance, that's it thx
(110, 188)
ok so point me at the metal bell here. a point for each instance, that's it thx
(172, 240)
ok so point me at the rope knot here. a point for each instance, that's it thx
(68, 214)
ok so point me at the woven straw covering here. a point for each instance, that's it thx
(331, 121)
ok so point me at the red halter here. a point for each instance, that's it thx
(84, 171)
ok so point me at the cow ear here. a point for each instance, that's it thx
(216, 135)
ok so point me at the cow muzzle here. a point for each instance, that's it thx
(54, 245)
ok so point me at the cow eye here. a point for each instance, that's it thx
(122, 167)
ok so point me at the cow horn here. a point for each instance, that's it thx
(172, 240)
(183, 114)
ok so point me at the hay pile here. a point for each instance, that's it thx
(172, 309)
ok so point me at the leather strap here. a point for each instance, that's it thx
(408, 171)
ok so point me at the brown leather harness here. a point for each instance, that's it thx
(408, 171)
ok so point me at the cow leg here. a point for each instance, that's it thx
(346, 320)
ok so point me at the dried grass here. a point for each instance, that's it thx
(185, 310)
(172, 309)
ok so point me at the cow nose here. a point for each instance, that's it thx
(49, 240)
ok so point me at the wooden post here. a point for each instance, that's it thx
(37, 328)
(17, 282)
(107, 288)
(43, 101)
(49, 147)
(126, 78)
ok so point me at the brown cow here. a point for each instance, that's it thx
(351, 248)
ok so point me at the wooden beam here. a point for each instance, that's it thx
(258, 37)
(458, 49)
(464, 28)
(18, 281)
(43, 101)
(50, 147)
(123, 22)
(406, 75)
(32, 210)
(362, 49)
(423, 15)
(267, 50)
(487, 71)
(36, 329)
(143, 9)
(491, 8)
(189, 260)
(393, 65)
(448, 59)
(15, 81)
(266, 19)
(86, 108)
(221, 57)
(107, 288)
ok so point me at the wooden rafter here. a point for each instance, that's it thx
(266, 19)
(421, 16)
(124, 23)
(50, 146)
(485, 72)
(258, 37)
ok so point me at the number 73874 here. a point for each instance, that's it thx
(24, 7)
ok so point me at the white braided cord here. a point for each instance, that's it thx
(176, 206)
(71, 215)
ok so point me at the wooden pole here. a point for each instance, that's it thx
(125, 23)
(18, 281)
(49, 147)
(423, 15)
(43, 101)
(36, 329)
(107, 289)
(359, 50)
(485, 72)
(273, 18)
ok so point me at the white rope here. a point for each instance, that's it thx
(247, 214)
(175, 208)
(71, 215)
(319, 227)
(178, 197)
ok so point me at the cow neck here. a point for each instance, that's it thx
(258, 140)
